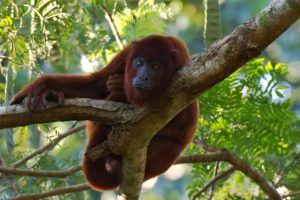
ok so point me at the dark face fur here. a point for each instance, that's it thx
(148, 70)
(148, 73)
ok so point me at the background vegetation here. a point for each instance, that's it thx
(253, 113)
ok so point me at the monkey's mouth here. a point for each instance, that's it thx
(141, 87)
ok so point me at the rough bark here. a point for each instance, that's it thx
(211, 67)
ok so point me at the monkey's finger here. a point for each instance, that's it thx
(114, 84)
(60, 98)
(44, 99)
(117, 87)
(38, 104)
(119, 78)
(18, 99)
(28, 102)
(36, 100)
(116, 78)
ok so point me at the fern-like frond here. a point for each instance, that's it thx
(147, 19)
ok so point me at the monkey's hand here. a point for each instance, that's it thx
(115, 87)
(36, 95)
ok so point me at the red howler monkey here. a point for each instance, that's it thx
(137, 75)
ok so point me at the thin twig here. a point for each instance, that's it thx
(48, 146)
(203, 158)
(42, 173)
(32, 196)
(294, 194)
(227, 156)
(6, 57)
(112, 25)
(4, 188)
(286, 169)
(203, 145)
(213, 181)
(115, 7)
(214, 175)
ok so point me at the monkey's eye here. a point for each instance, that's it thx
(156, 66)
(138, 62)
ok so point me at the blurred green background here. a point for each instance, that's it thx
(48, 36)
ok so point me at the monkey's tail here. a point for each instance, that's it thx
(104, 173)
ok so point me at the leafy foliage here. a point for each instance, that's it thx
(27, 29)
(47, 36)
(212, 27)
(148, 18)
(248, 114)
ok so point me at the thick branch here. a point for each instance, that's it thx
(215, 64)
(73, 109)
(244, 43)
(32, 196)
(133, 174)
(212, 66)
(44, 173)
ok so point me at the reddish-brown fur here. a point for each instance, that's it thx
(114, 82)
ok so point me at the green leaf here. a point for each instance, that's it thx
(281, 87)
(269, 67)
(279, 94)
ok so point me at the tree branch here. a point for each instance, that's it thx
(295, 194)
(286, 169)
(74, 109)
(99, 151)
(227, 156)
(43, 173)
(33, 196)
(112, 25)
(6, 57)
(216, 169)
(133, 129)
(213, 181)
(204, 158)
